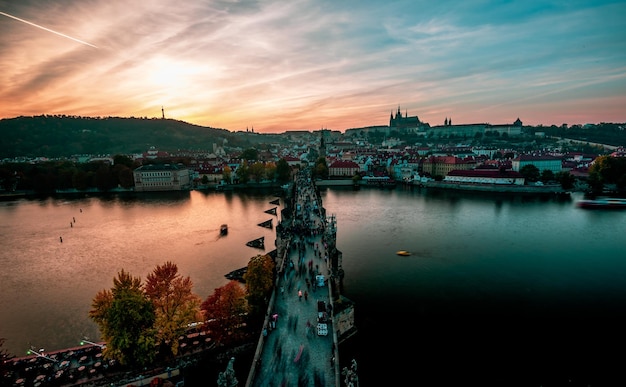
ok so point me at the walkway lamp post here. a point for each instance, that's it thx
(40, 353)
(84, 341)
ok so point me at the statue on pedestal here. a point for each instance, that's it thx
(351, 378)
(227, 378)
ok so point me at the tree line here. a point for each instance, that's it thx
(60, 175)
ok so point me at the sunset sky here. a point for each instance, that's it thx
(279, 65)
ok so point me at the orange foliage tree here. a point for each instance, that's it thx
(225, 312)
(175, 304)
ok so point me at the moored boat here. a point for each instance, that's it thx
(602, 203)
(403, 253)
(224, 229)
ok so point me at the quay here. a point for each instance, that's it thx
(307, 317)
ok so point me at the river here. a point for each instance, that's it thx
(498, 289)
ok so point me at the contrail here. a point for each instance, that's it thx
(47, 29)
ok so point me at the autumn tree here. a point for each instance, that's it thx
(270, 171)
(227, 174)
(259, 280)
(175, 305)
(607, 170)
(225, 311)
(257, 171)
(126, 319)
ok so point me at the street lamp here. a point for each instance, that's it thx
(84, 341)
(40, 353)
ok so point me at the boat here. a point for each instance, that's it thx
(224, 229)
(403, 253)
(602, 203)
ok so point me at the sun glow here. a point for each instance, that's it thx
(168, 73)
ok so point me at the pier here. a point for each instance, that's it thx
(307, 317)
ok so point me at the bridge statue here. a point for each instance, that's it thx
(227, 378)
(351, 377)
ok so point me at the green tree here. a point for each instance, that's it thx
(103, 178)
(126, 320)
(250, 154)
(123, 176)
(123, 160)
(243, 172)
(225, 311)
(80, 180)
(175, 304)
(547, 175)
(566, 180)
(530, 172)
(283, 171)
(259, 280)
(321, 168)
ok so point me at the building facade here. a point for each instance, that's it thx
(162, 177)
(442, 165)
(483, 176)
(541, 162)
(343, 168)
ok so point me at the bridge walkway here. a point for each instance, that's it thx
(298, 346)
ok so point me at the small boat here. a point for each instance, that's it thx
(403, 253)
(224, 229)
(602, 203)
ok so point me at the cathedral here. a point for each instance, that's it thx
(404, 122)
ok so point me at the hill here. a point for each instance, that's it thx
(63, 136)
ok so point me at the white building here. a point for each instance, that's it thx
(162, 177)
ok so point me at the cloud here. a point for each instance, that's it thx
(274, 64)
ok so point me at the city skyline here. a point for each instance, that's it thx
(277, 66)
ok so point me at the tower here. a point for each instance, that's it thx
(162, 113)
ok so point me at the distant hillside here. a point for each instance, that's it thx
(63, 136)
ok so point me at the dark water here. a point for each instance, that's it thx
(499, 290)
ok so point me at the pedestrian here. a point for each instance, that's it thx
(306, 295)
(299, 292)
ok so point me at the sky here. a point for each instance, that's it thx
(278, 65)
